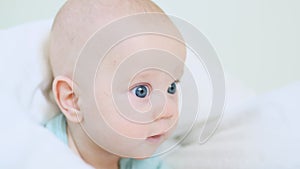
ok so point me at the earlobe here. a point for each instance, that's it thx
(66, 98)
(76, 116)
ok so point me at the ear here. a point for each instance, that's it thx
(66, 98)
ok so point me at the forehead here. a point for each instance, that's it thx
(159, 48)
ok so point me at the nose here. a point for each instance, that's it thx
(169, 110)
(165, 114)
(163, 106)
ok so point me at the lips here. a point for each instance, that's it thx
(155, 138)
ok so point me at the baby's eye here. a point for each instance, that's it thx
(140, 91)
(172, 88)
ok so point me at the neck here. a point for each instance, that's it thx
(90, 152)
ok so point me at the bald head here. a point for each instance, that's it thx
(78, 20)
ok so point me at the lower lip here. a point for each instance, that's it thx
(155, 139)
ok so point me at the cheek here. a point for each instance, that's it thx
(116, 119)
(141, 105)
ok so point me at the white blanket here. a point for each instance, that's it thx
(261, 133)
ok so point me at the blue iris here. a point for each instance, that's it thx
(172, 88)
(141, 91)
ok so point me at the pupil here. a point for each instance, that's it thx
(141, 92)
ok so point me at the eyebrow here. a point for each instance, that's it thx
(177, 81)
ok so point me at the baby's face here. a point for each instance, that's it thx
(134, 107)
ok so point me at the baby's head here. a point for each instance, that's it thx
(123, 99)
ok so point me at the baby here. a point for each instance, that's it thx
(118, 105)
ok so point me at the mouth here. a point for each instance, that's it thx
(155, 139)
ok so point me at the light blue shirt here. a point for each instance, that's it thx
(58, 126)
